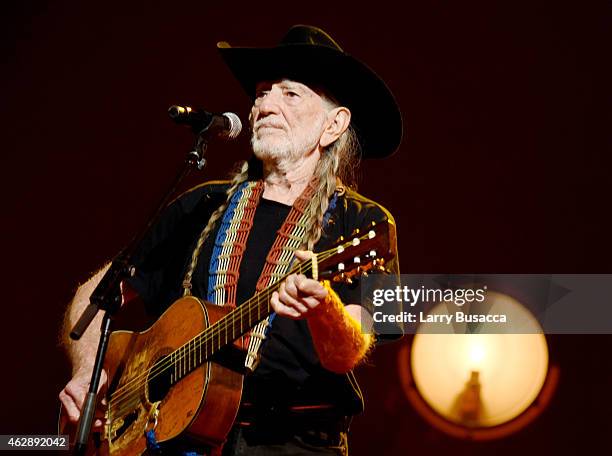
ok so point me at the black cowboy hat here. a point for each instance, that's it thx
(307, 54)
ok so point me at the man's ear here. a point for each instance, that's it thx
(338, 120)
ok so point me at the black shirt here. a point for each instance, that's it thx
(289, 369)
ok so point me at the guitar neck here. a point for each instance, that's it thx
(342, 261)
(247, 315)
(235, 324)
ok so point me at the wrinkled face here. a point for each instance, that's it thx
(287, 120)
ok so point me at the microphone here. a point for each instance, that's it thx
(226, 125)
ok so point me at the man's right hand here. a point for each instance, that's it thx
(73, 396)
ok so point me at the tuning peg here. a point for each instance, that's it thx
(342, 277)
(379, 265)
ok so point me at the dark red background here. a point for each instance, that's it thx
(504, 167)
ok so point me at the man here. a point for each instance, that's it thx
(315, 111)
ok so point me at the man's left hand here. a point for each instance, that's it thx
(298, 296)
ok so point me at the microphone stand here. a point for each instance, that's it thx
(107, 295)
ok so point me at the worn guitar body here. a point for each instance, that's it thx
(202, 405)
(183, 375)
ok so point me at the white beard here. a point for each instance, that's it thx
(267, 148)
(281, 146)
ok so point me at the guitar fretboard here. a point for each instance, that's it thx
(229, 328)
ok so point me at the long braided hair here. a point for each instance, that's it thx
(335, 171)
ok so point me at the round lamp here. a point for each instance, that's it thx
(480, 385)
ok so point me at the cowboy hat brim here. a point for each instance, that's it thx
(375, 113)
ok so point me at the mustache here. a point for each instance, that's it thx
(268, 124)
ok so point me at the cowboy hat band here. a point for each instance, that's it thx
(307, 54)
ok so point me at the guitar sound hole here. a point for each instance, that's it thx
(159, 380)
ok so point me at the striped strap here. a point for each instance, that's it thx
(290, 237)
(231, 242)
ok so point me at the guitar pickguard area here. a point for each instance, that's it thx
(130, 412)
(164, 379)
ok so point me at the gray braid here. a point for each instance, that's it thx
(335, 167)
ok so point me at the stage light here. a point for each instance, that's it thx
(480, 385)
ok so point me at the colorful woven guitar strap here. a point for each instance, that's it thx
(230, 244)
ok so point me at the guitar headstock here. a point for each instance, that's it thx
(365, 251)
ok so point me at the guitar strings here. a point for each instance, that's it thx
(123, 395)
(215, 330)
(120, 397)
(182, 352)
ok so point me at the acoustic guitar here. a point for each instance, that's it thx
(181, 377)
